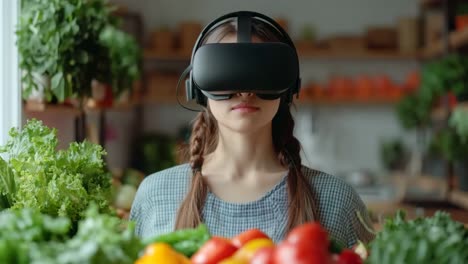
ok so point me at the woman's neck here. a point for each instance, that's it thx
(243, 155)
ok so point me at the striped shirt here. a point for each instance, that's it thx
(160, 194)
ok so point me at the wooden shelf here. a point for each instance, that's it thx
(348, 101)
(459, 198)
(91, 107)
(305, 102)
(151, 55)
(457, 39)
(52, 109)
(307, 55)
(430, 3)
(60, 109)
(367, 54)
(167, 100)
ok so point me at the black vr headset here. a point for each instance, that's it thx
(220, 70)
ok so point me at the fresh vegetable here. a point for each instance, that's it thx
(336, 246)
(287, 252)
(57, 183)
(185, 241)
(312, 234)
(263, 256)
(361, 250)
(125, 195)
(307, 243)
(348, 256)
(161, 253)
(213, 251)
(247, 251)
(437, 239)
(27, 236)
(244, 237)
(233, 261)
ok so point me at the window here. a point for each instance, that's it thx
(10, 94)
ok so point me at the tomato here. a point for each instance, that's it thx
(348, 256)
(213, 251)
(263, 256)
(244, 237)
(290, 253)
(312, 234)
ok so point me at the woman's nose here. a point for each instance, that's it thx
(245, 94)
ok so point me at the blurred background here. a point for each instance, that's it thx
(382, 105)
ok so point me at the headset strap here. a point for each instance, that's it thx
(244, 27)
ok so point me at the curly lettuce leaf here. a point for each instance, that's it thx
(58, 183)
(7, 185)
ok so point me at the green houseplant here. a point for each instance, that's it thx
(71, 43)
(57, 39)
(124, 58)
(459, 122)
(394, 154)
(449, 74)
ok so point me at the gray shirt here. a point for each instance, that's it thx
(160, 194)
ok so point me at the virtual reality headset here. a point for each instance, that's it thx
(220, 70)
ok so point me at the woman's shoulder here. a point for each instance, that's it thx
(340, 206)
(330, 189)
(325, 183)
(174, 175)
(168, 182)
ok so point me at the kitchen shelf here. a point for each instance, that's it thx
(365, 55)
(166, 99)
(348, 101)
(457, 39)
(61, 109)
(51, 109)
(306, 55)
(151, 55)
(430, 3)
(459, 198)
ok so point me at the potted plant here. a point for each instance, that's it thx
(59, 40)
(124, 57)
(394, 154)
(449, 74)
(461, 17)
(459, 122)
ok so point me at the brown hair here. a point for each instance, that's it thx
(204, 138)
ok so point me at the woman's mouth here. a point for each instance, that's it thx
(245, 108)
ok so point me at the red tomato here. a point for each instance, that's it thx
(213, 251)
(263, 256)
(301, 253)
(311, 234)
(348, 256)
(244, 237)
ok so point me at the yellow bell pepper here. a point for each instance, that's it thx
(233, 260)
(161, 253)
(248, 250)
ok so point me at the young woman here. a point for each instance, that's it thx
(245, 172)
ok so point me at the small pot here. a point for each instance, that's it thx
(460, 169)
(461, 22)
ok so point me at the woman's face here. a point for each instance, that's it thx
(244, 112)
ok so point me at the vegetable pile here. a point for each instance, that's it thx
(437, 239)
(27, 236)
(57, 183)
(308, 243)
(54, 209)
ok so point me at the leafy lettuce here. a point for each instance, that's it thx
(56, 183)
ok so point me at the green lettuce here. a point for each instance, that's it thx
(57, 183)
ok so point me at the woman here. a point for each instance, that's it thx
(245, 172)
